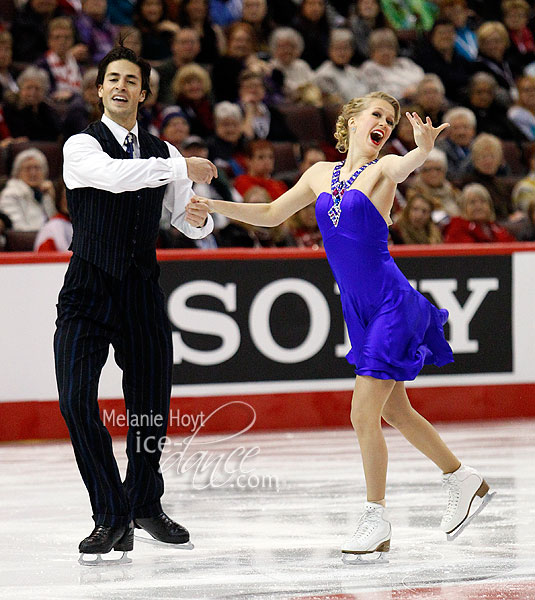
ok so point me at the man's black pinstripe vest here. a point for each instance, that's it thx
(112, 231)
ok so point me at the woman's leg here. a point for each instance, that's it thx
(369, 398)
(398, 412)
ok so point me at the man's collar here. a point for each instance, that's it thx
(119, 132)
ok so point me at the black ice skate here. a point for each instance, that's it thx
(104, 539)
(164, 530)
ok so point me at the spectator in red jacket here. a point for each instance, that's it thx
(261, 161)
(477, 222)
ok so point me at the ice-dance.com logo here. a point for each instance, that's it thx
(210, 461)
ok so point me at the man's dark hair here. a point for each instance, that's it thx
(120, 52)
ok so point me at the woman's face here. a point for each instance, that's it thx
(313, 10)
(430, 97)
(367, 9)
(31, 172)
(193, 89)
(419, 213)
(493, 46)
(526, 94)
(461, 131)
(31, 93)
(384, 55)
(176, 131)
(286, 51)
(487, 160)
(252, 90)
(482, 95)
(152, 10)
(373, 125)
(254, 11)
(456, 13)
(515, 19)
(433, 173)
(340, 53)
(443, 37)
(61, 40)
(6, 55)
(197, 10)
(477, 208)
(228, 129)
(240, 44)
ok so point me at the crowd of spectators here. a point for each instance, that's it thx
(256, 86)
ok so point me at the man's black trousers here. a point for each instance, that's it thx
(94, 311)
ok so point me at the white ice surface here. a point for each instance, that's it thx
(279, 542)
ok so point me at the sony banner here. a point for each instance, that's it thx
(268, 320)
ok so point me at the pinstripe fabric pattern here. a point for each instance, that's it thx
(111, 296)
(114, 230)
(94, 311)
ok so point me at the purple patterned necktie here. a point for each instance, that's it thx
(129, 142)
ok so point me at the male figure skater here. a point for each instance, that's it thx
(117, 176)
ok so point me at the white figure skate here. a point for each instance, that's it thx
(464, 486)
(371, 538)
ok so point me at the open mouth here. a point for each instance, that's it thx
(120, 99)
(377, 136)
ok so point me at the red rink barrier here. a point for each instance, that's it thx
(501, 392)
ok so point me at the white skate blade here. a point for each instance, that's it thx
(361, 560)
(148, 539)
(98, 560)
(457, 532)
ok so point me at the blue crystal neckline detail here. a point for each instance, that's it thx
(338, 189)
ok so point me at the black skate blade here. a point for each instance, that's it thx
(146, 538)
(360, 560)
(98, 561)
(457, 532)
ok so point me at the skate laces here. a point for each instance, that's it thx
(454, 495)
(367, 522)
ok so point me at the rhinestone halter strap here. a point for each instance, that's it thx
(338, 189)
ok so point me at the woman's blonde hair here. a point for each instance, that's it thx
(482, 192)
(188, 72)
(490, 28)
(355, 106)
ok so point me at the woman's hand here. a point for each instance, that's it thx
(196, 211)
(424, 133)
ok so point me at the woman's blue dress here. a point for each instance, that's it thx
(394, 331)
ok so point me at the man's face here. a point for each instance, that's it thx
(433, 173)
(186, 45)
(121, 90)
(262, 162)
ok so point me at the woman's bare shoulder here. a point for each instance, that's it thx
(319, 175)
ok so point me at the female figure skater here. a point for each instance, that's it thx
(394, 330)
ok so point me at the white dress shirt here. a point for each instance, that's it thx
(85, 164)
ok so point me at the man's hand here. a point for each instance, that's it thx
(200, 170)
(196, 211)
